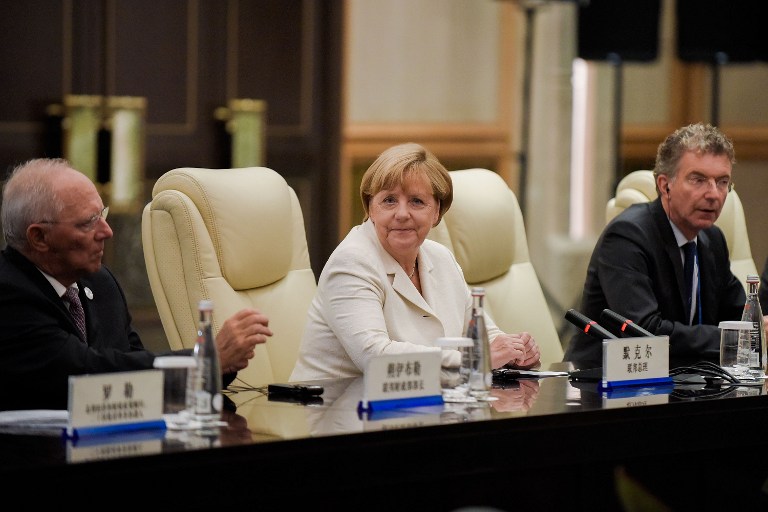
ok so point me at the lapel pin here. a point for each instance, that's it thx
(88, 293)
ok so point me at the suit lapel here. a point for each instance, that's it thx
(670, 248)
(42, 284)
(706, 270)
(401, 283)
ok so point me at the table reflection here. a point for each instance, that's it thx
(251, 416)
(517, 396)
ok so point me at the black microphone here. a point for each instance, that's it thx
(625, 325)
(588, 326)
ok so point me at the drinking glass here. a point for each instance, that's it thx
(735, 347)
(456, 367)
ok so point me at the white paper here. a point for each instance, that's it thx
(34, 421)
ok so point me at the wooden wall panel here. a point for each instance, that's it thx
(152, 51)
(188, 58)
(259, 71)
(32, 73)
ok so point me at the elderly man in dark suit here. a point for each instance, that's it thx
(55, 227)
(637, 267)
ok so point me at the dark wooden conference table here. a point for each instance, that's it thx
(546, 444)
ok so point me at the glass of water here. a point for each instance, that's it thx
(735, 347)
(455, 368)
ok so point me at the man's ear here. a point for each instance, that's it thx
(662, 184)
(36, 238)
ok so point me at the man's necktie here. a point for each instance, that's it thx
(76, 309)
(690, 256)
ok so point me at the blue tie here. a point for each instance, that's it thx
(690, 256)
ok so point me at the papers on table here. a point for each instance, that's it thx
(34, 421)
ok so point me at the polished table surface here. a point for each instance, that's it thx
(548, 443)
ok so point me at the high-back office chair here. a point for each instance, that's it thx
(640, 186)
(235, 236)
(484, 228)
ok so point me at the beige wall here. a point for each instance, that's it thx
(428, 61)
(438, 72)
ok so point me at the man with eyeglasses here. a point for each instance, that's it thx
(62, 312)
(638, 267)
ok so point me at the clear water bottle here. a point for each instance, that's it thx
(480, 377)
(204, 396)
(754, 313)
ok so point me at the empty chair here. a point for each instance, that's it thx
(640, 186)
(237, 237)
(484, 228)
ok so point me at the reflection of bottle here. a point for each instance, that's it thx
(204, 389)
(481, 378)
(753, 313)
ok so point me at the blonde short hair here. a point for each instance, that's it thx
(397, 163)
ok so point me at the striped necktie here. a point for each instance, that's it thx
(76, 310)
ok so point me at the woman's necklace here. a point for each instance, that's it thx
(413, 272)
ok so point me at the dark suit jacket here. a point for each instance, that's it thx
(39, 345)
(636, 271)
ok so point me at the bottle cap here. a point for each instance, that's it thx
(753, 278)
(737, 325)
(205, 304)
(174, 362)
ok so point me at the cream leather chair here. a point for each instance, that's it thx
(235, 236)
(639, 187)
(484, 228)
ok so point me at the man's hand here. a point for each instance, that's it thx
(238, 336)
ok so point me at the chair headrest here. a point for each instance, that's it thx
(482, 224)
(636, 187)
(241, 208)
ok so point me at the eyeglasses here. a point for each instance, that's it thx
(86, 225)
(698, 182)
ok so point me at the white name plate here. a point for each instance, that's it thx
(635, 361)
(109, 402)
(402, 380)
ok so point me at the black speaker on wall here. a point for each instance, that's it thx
(721, 31)
(627, 29)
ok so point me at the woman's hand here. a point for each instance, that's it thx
(518, 350)
(765, 325)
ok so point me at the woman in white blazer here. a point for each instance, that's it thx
(387, 289)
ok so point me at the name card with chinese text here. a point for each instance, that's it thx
(402, 380)
(638, 361)
(114, 402)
